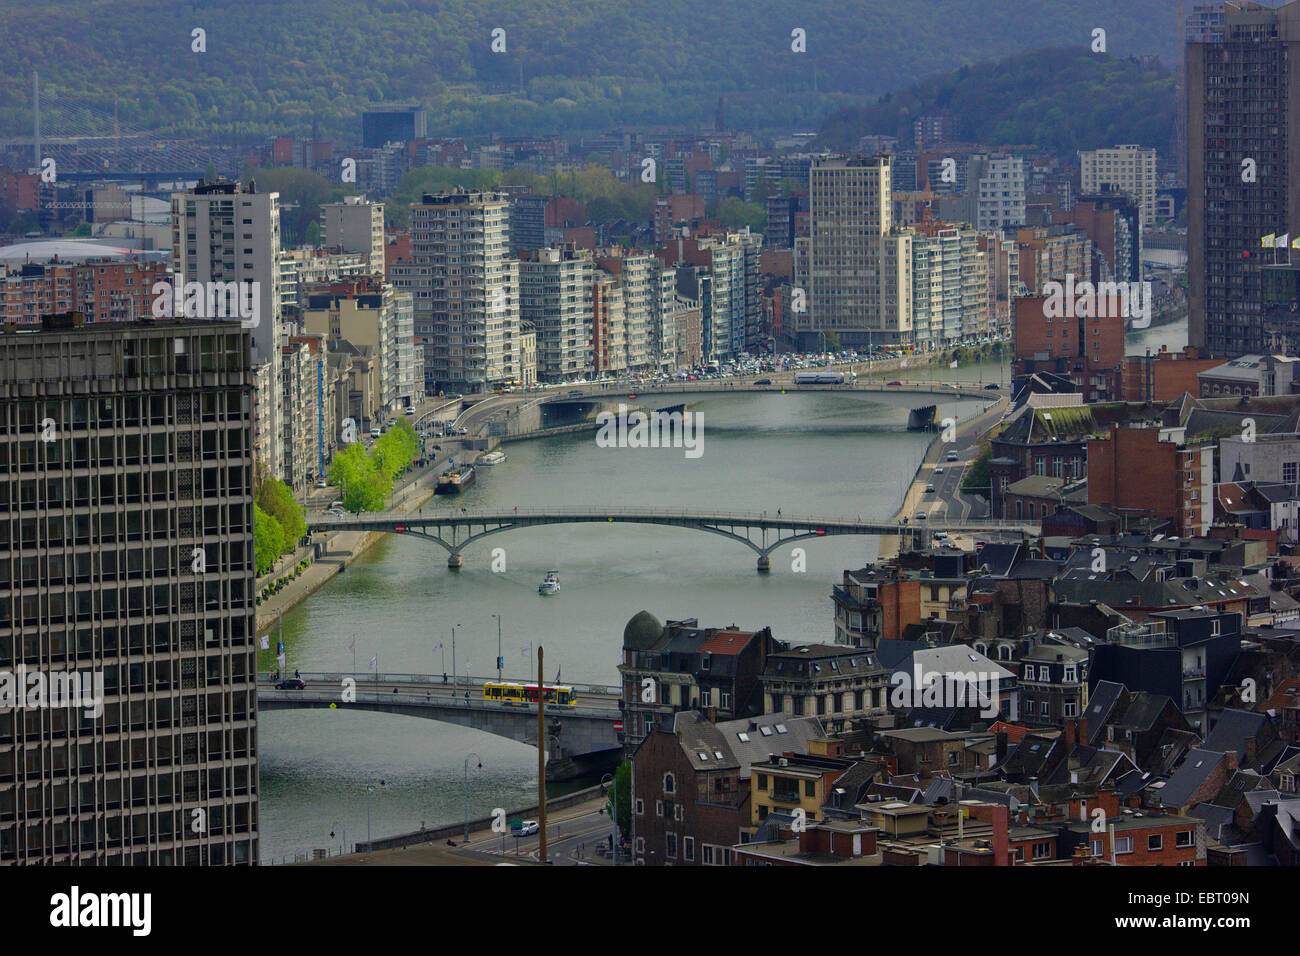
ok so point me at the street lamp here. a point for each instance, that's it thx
(500, 659)
(345, 834)
(370, 787)
(613, 786)
(480, 767)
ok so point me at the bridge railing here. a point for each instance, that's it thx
(471, 703)
(370, 677)
(739, 517)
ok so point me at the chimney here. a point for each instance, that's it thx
(1231, 758)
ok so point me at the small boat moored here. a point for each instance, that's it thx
(455, 480)
(551, 583)
(493, 458)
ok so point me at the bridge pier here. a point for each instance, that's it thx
(454, 561)
(764, 564)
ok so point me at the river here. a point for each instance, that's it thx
(813, 453)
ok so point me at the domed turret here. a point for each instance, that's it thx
(642, 631)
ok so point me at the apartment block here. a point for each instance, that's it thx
(466, 288)
(225, 232)
(126, 553)
(101, 289)
(356, 225)
(1130, 169)
(555, 295)
(370, 312)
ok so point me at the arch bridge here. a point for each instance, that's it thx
(761, 532)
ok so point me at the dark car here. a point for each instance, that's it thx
(893, 383)
(991, 385)
(763, 381)
(292, 683)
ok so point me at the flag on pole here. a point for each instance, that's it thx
(352, 644)
(280, 660)
(438, 646)
(374, 663)
(1267, 241)
(904, 363)
(1295, 243)
(557, 675)
(526, 650)
(266, 642)
(467, 668)
(1282, 242)
(952, 364)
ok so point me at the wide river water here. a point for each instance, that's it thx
(814, 453)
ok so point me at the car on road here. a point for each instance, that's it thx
(939, 470)
(322, 483)
(919, 516)
(952, 456)
(763, 381)
(291, 683)
(991, 386)
(526, 828)
(893, 383)
(929, 489)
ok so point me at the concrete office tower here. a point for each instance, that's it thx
(222, 232)
(555, 296)
(127, 552)
(356, 225)
(466, 288)
(647, 305)
(859, 273)
(1129, 169)
(1243, 72)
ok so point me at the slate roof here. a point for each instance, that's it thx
(1235, 727)
(1191, 774)
(1102, 700)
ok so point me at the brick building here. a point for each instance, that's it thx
(1153, 472)
(1164, 376)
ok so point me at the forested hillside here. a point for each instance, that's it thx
(273, 66)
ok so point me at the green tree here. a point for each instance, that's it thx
(979, 474)
(363, 486)
(274, 497)
(737, 214)
(622, 789)
(268, 540)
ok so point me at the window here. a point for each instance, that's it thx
(1183, 838)
(1042, 851)
(706, 854)
(1155, 842)
(1123, 845)
(659, 808)
(688, 849)
(1071, 675)
(670, 845)
(640, 806)
(1097, 848)
(670, 785)
(1029, 672)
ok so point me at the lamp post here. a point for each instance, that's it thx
(499, 658)
(345, 834)
(480, 767)
(370, 788)
(455, 678)
(613, 818)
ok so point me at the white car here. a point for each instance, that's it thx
(528, 828)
